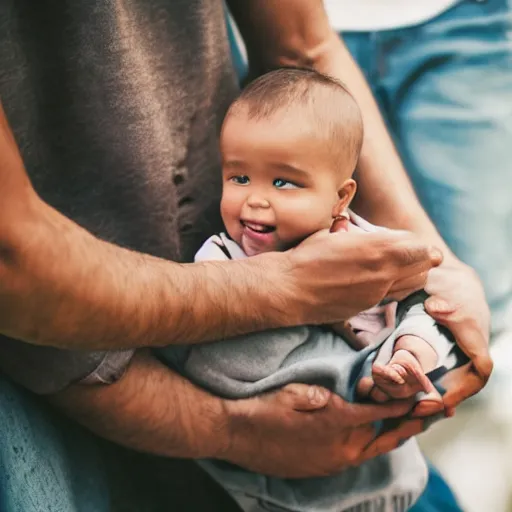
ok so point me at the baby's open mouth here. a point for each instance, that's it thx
(258, 228)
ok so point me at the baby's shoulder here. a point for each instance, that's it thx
(358, 222)
(219, 247)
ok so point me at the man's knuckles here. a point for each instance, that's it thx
(351, 455)
(484, 366)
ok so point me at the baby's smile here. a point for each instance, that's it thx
(257, 237)
(257, 226)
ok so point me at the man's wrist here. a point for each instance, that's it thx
(216, 437)
(235, 428)
(274, 299)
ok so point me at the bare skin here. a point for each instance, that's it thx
(405, 375)
(412, 359)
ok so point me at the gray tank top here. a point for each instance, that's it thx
(117, 108)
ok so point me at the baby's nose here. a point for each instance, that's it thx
(255, 201)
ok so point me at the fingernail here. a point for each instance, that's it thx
(449, 412)
(440, 306)
(436, 256)
(317, 395)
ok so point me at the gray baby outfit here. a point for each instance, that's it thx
(252, 364)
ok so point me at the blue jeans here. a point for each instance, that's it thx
(445, 90)
(437, 496)
(46, 463)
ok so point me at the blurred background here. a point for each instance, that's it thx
(473, 449)
(441, 71)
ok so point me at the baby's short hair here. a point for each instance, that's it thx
(326, 102)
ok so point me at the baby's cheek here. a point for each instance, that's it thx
(302, 217)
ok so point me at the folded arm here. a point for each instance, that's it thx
(63, 287)
(154, 410)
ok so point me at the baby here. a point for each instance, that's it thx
(289, 146)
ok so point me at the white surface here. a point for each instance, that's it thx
(367, 15)
(474, 450)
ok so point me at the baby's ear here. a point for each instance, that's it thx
(346, 193)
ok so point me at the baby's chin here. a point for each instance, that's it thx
(273, 243)
(252, 249)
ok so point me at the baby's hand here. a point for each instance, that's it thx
(404, 376)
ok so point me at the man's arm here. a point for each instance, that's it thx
(154, 410)
(297, 32)
(61, 286)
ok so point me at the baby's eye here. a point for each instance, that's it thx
(240, 180)
(280, 183)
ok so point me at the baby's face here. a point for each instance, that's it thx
(279, 182)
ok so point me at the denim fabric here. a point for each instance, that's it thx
(437, 497)
(46, 463)
(445, 89)
(49, 464)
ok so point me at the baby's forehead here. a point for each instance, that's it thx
(287, 125)
(287, 130)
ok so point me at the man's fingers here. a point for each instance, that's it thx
(470, 337)
(483, 365)
(460, 384)
(438, 307)
(412, 261)
(301, 397)
(413, 254)
(362, 414)
(404, 287)
(391, 439)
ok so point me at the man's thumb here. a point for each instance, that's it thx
(302, 397)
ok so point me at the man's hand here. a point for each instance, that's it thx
(305, 431)
(298, 431)
(457, 301)
(334, 276)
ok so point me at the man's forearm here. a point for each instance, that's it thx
(151, 409)
(59, 283)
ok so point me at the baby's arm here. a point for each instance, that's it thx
(418, 323)
(419, 347)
